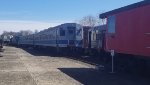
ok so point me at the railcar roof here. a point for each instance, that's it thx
(100, 28)
(129, 7)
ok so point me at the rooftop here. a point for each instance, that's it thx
(129, 7)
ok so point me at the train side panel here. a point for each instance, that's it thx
(129, 32)
(26, 40)
(46, 38)
(60, 36)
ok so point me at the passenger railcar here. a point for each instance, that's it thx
(63, 36)
(26, 40)
(128, 32)
(46, 38)
(68, 35)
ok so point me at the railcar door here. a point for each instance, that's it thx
(1, 43)
(103, 40)
(90, 39)
(71, 36)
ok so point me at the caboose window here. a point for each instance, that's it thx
(111, 24)
(62, 32)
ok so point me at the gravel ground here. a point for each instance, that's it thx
(19, 67)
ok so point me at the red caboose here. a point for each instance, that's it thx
(128, 29)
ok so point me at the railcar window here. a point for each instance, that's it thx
(38, 37)
(70, 28)
(71, 31)
(94, 36)
(98, 36)
(111, 24)
(62, 32)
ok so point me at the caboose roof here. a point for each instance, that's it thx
(129, 7)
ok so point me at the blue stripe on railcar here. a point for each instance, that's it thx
(71, 42)
(62, 41)
(50, 42)
(26, 42)
(54, 42)
(46, 41)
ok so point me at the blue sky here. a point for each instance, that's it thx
(17, 13)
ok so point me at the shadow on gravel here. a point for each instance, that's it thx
(89, 76)
(40, 52)
(96, 60)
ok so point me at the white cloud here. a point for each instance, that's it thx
(17, 25)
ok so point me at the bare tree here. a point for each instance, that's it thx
(90, 21)
(25, 32)
(36, 31)
(8, 34)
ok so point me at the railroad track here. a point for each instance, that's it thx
(82, 59)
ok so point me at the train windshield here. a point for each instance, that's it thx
(71, 30)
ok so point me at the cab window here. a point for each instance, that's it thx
(71, 30)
